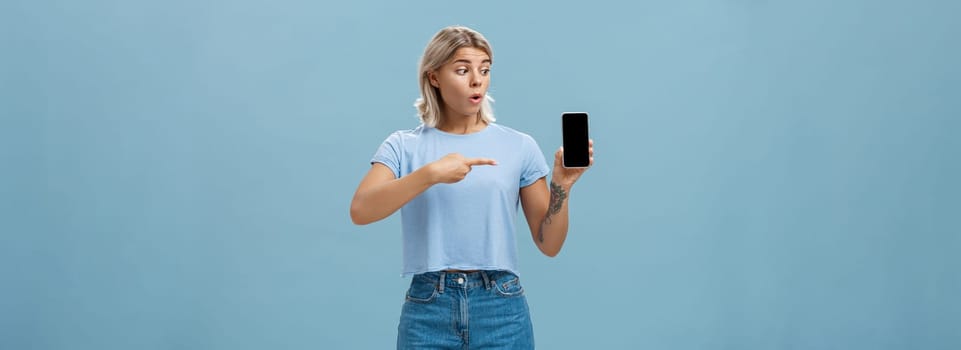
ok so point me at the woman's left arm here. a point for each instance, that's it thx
(546, 208)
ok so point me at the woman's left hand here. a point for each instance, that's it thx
(566, 177)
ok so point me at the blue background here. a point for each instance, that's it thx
(770, 174)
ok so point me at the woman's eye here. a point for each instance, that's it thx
(485, 71)
(461, 71)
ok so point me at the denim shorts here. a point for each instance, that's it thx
(478, 310)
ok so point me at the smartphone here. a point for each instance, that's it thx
(576, 140)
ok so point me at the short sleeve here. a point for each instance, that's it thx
(535, 166)
(389, 153)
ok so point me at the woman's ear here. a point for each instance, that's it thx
(432, 77)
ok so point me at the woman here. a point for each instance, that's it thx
(457, 179)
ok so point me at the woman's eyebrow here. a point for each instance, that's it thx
(464, 61)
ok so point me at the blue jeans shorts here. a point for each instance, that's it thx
(477, 310)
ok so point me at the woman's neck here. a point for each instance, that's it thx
(461, 125)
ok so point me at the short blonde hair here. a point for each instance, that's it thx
(439, 51)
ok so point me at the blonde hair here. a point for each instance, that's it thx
(439, 51)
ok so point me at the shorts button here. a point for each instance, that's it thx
(460, 280)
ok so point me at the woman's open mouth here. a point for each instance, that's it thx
(476, 98)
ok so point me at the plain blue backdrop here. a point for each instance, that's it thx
(769, 174)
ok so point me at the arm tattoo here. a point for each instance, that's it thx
(558, 195)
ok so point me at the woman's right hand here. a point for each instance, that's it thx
(454, 167)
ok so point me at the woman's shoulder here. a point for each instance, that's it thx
(406, 134)
(508, 132)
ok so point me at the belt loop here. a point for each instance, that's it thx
(487, 281)
(443, 280)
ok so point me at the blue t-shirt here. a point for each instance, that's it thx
(468, 225)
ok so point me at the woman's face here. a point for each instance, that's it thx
(463, 82)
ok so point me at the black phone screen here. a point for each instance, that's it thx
(576, 140)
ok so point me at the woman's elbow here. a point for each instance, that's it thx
(550, 253)
(357, 214)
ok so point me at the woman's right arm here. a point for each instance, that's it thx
(381, 194)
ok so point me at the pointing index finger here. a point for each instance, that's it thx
(481, 161)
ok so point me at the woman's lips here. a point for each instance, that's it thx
(475, 99)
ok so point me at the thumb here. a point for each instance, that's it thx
(480, 161)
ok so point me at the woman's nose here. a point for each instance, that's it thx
(475, 80)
